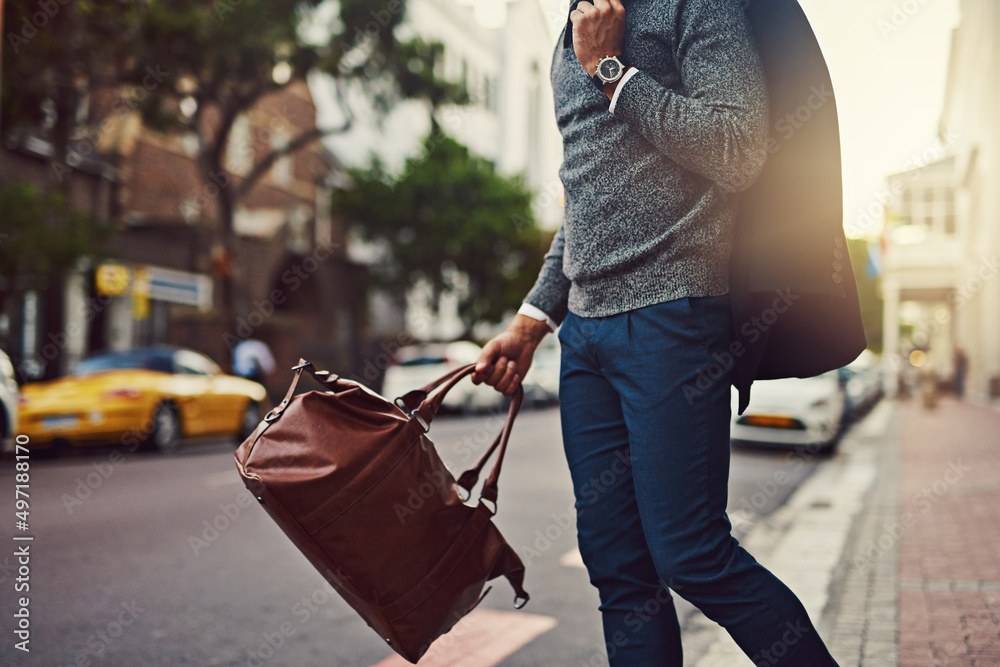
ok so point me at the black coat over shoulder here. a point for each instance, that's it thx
(794, 297)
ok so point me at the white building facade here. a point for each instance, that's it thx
(945, 256)
(509, 120)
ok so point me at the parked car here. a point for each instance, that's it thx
(541, 384)
(419, 365)
(863, 385)
(792, 413)
(8, 403)
(154, 396)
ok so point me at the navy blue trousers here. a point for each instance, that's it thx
(645, 399)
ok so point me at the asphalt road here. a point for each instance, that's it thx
(141, 559)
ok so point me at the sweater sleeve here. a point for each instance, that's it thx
(717, 125)
(551, 291)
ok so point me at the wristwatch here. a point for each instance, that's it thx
(609, 70)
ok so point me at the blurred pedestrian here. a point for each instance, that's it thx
(928, 385)
(252, 359)
(638, 276)
(961, 371)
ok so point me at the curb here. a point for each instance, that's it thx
(805, 543)
(861, 622)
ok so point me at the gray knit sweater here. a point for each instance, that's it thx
(650, 189)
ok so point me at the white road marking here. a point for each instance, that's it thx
(221, 478)
(571, 558)
(481, 639)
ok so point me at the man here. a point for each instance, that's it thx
(253, 360)
(663, 112)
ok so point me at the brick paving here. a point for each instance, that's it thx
(918, 581)
(949, 548)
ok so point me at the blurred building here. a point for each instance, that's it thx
(921, 263)
(159, 282)
(294, 287)
(32, 317)
(509, 121)
(942, 260)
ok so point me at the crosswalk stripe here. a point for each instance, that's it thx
(220, 478)
(481, 639)
(571, 558)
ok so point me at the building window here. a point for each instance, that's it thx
(949, 211)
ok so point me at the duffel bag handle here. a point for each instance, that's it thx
(325, 378)
(428, 409)
(411, 400)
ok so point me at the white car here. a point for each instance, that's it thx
(419, 365)
(863, 385)
(541, 384)
(792, 413)
(8, 403)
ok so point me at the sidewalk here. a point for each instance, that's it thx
(950, 559)
(893, 545)
(920, 585)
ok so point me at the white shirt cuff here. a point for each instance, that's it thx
(621, 84)
(535, 313)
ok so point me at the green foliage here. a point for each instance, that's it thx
(53, 52)
(449, 212)
(869, 292)
(220, 53)
(42, 235)
(224, 52)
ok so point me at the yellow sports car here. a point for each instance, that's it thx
(153, 396)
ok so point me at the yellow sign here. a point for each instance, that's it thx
(112, 280)
(140, 294)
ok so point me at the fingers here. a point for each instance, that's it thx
(497, 371)
(484, 362)
(487, 361)
(503, 376)
(506, 382)
(582, 9)
(596, 8)
(486, 370)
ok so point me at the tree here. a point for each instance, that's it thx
(210, 63)
(29, 254)
(56, 54)
(225, 56)
(449, 219)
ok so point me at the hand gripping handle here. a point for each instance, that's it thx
(428, 409)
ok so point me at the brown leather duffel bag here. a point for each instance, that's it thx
(354, 481)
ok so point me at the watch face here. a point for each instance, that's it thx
(610, 69)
